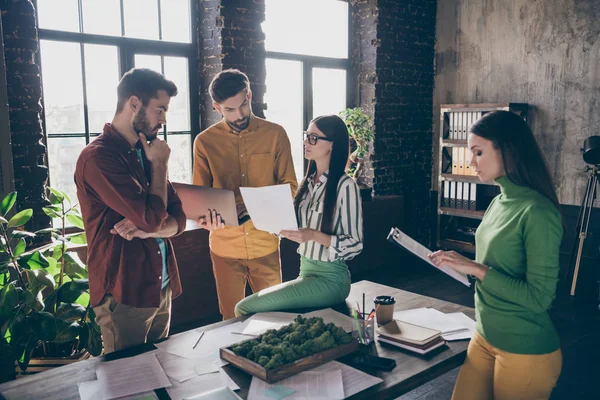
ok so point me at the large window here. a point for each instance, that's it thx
(307, 64)
(85, 47)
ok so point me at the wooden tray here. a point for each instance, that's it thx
(285, 371)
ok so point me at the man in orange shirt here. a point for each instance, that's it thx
(241, 150)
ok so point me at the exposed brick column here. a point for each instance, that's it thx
(24, 94)
(404, 108)
(364, 58)
(230, 36)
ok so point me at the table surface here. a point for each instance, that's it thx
(411, 370)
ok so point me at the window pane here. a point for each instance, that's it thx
(180, 161)
(141, 19)
(63, 88)
(310, 27)
(62, 157)
(60, 15)
(102, 77)
(178, 117)
(148, 61)
(285, 104)
(102, 17)
(175, 18)
(329, 91)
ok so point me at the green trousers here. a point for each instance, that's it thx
(320, 284)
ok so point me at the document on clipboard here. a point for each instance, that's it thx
(401, 239)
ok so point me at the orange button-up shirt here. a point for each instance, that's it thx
(257, 156)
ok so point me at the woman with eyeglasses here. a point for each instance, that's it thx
(515, 352)
(330, 231)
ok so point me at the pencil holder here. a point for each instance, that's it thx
(364, 330)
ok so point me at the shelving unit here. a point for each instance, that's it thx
(459, 216)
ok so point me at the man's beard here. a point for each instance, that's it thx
(142, 125)
(240, 124)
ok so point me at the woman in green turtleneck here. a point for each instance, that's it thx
(515, 353)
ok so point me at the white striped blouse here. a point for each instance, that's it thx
(347, 238)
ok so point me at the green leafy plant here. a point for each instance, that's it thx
(302, 338)
(360, 129)
(44, 291)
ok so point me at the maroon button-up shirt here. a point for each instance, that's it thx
(112, 185)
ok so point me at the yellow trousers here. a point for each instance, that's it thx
(490, 373)
(231, 275)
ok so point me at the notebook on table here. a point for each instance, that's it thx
(410, 336)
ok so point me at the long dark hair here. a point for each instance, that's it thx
(333, 128)
(523, 160)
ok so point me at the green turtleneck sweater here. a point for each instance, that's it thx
(518, 239)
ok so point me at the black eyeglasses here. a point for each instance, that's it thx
(314, 138)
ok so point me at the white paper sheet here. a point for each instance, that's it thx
(94, 390)
(182, 345)
(432, 318)
(422, 252)
(132, 375)
(259, 323)
(222, 393)
(200, 384)
(464, 320)
(178, 368)
(271, 207)
(355, 381)
(313, 385)
(330, 315)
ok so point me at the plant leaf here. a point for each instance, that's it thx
(33, 300)
(45, 230)
(66, 332)
(38, 278)
(70, 291)
(50, 212)
(9, 298)
(35, 260)
(75, 220)
(94, 341)
(78, 238)
(20, 218)
(7, 203)
(74, 268)
(3, 220)
(56, 196)
(20, 247)
(20, 234)
(46, 325)
(70, 312)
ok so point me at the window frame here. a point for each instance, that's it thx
(127, 48)
(309, 63)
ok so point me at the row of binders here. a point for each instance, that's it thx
(462, 195)
(460, 122)
(461, 162)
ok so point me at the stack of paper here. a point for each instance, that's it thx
(330, 315)
(305, 385)
(410, 337)
(455, 326)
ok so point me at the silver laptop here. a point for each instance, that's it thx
(197, 200)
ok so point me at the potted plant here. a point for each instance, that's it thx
(44, 291)
(360, 129)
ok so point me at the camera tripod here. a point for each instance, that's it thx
(583, 221)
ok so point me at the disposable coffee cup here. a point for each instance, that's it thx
(385, 309)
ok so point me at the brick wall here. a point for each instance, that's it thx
(403, 109)
(24, 93)
(230, 36)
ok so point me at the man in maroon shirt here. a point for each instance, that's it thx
(130, 210)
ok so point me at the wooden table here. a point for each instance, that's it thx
(411, 370)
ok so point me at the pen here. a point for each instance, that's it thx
(198, 341)
(364, 309)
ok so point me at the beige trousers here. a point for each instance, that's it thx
(124, 326)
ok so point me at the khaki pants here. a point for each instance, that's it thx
(231, 275)
(490, 373)
(124, 326)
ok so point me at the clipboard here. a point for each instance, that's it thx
(399, 238)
